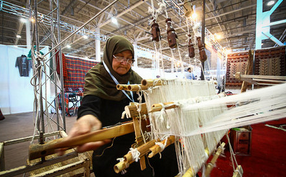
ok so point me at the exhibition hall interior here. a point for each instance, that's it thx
(205, 80)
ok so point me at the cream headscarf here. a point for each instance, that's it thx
(98, 82)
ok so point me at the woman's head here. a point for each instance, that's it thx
(122, 62)
(118, 55)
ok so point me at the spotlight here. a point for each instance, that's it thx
(23, 20)
(114, 20)
(217, 36)
(270, 3)
(85, 36)
(32, 20)
(68, 46)
(18, 36)
(194, 16)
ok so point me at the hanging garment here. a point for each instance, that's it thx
(1, 115)
(24, 65)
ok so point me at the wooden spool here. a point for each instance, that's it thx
(159, 107)
(131, 87)
(151, 82)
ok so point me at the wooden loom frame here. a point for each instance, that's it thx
(155, 149)
(83, 162)
(135, 126)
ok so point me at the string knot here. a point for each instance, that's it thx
(135, 154)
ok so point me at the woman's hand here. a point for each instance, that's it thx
(85, 124)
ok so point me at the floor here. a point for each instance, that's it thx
(19, 126)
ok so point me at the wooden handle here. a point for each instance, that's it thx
(42, 150)
(158, 107)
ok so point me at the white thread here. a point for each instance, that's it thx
(135, 154)
(162, 112)
(126, 165)
(123, 115)
(120, 159)
(202, 118)
(123, 171)
(127, 112)
(162, 146)
(203, 171)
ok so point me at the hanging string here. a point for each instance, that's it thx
(152, 10)
(163, 3)
(182, 65)
(173, 60)
(162, 59)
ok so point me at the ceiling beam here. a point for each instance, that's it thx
(68, 6)
(230, 12)
(122, 13)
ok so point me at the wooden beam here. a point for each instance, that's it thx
(214, 159)
(28, 168)
(248, 70)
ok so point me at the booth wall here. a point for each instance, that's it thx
(16, 92)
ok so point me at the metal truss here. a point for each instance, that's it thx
(45, 73)
(47, 20)
(263, 24)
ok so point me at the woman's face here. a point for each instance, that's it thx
(122, 67)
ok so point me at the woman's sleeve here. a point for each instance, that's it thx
(90, 105)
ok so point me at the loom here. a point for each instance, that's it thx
(187, 113)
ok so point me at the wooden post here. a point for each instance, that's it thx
(2, 159)
(248, 70)
(139, 126)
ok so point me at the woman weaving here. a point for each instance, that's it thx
(102, 106)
